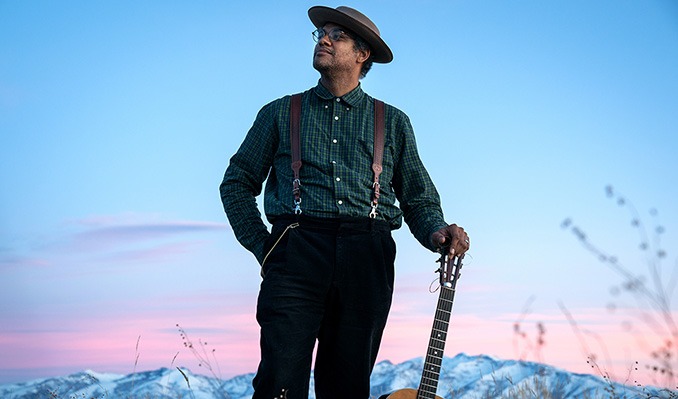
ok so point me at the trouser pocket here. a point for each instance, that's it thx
(274, 247)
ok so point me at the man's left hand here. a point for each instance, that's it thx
(454, 237)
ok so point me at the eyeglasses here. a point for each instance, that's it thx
(334, 35)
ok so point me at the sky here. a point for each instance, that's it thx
(538, 121)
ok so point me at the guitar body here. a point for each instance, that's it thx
(406, 393)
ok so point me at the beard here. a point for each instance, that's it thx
(321, 66)
(329, 67)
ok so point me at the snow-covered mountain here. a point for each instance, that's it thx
(462, 377)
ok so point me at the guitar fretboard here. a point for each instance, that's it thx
(436, 345)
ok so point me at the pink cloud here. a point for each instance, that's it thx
(19, 261)
(110, 344)
(126, 238)
(115, 235)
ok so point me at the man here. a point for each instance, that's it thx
(327, 264)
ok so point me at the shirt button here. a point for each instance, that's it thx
(334, 141)
(333, 162)
(326, 106)
(338, 178)
(336, 118)
(340, 202)
(338, 99)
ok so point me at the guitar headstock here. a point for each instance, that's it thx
(450, 267)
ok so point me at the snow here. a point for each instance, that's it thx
(463, 376)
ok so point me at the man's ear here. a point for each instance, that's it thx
(363, 55)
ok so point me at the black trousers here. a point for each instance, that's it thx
(329, 281)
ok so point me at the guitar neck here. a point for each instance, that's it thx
(436, 345)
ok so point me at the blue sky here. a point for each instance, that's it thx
(117, 120)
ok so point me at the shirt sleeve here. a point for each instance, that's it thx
(419, 200)
(244, 178)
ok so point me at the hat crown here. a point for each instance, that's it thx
(360, 17)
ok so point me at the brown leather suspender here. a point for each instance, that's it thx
(295, 122)
(378, 155)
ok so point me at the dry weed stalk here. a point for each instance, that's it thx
(652, 296)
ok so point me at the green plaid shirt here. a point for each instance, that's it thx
(337, 137)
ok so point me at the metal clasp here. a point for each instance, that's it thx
(297, 196)
(373, 212)
(375, 199)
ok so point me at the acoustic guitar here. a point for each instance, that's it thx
(449, 274)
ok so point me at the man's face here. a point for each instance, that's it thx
(331, 56)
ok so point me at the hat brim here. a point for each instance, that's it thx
(321, 15)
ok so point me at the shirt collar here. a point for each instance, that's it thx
(352, 98)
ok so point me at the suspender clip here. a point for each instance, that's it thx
(373, 212)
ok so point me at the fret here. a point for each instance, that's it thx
(425, 395)
(438, 338)
(434, 359)
(434, 355)
(432, 372)
(431, 384)
(431, 381)
(442, 297)
(439, 334)
(441, 324)
(431, 387)
(433, 367)
(431, 376)
(438, 329)
(445, 304)
(436, 344)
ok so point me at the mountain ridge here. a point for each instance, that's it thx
(462, 376)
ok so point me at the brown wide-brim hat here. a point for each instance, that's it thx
(357, 23)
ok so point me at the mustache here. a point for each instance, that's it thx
(323, 50)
